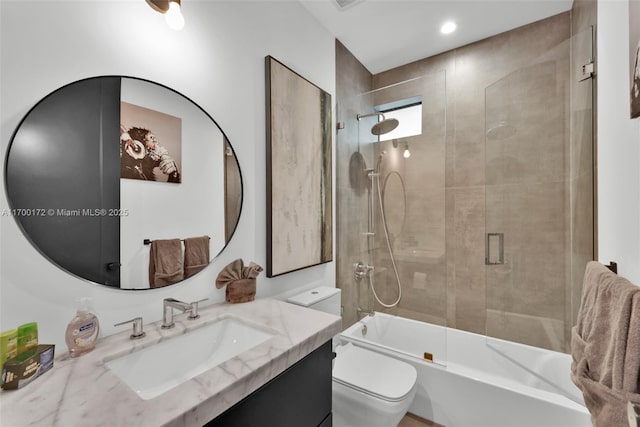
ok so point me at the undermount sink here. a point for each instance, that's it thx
(160, 367)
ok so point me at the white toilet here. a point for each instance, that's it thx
(369, 389)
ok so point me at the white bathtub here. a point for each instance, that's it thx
(474, 380)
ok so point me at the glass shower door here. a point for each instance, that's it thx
(391, 202)
(538, 196)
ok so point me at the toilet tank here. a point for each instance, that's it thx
(322, 298)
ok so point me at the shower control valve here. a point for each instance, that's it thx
(361, 270)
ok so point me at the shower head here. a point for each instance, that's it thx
(383, 126)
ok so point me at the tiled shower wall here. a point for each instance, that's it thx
(458, 289)
(352, 80)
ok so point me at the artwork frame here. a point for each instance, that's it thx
(299, 137)
(150, 144)
(634, 57)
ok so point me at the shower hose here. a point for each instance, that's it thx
(393, 261)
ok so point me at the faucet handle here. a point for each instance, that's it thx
(193, 313)
(138, 331)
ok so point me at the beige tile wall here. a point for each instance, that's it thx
(352, 80)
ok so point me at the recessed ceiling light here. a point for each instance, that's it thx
(448, 27)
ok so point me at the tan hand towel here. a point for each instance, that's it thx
(165, 262)
(196, 255)
(242, 290)
(252, 271)
(605, 345)
(230, 273)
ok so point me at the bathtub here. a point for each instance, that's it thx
(474, 380)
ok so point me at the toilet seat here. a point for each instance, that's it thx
(374, 374)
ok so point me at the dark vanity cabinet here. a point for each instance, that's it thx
(299, 397)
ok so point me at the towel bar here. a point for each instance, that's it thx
(613, 266)
(149, 241)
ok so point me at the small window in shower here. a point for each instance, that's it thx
(408, 112)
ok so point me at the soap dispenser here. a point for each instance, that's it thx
(82, 332)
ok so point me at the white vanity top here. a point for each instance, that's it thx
(84, 392)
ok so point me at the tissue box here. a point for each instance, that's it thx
(27, 366)
(242, 290)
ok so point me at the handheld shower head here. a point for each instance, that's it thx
(380, 156)
(383, 126)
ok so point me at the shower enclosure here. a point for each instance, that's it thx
(481, 212)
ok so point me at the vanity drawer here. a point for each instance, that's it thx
(300, 397)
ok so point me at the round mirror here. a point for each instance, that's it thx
(123, 182)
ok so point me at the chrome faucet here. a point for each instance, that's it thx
(361, 270)
(365, 311)
(167, 311)
(138, 328)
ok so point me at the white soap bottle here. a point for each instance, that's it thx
(82, 332)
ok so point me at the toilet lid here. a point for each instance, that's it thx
(372, 373)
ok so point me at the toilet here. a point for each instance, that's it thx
(369, 389)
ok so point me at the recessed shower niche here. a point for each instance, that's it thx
(87, 197)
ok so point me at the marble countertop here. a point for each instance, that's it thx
(83, 392)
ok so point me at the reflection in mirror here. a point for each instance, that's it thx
(103, 164)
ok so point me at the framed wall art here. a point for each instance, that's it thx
(299, 138)
(150, 144)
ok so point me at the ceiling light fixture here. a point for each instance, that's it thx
(406, 153)
(448, 27)
(171, 10)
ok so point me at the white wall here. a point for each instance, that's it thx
(217, 60)
(618, 145)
